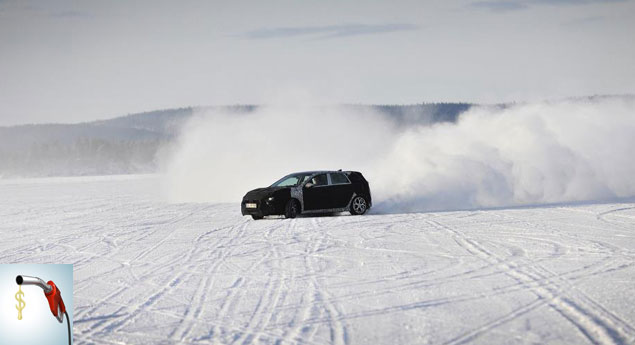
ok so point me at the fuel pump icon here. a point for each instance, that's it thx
(53, 296)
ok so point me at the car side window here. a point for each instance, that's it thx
(320, 180)
(339, 178)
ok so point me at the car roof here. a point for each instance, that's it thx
(319, 172)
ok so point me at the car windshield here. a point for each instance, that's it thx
(291, 180)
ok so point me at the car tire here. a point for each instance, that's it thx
(359, 206)
(255, 217)
(291, 210)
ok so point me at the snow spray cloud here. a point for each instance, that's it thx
(527, 154)
(222, 155)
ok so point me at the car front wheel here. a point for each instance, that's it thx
(291, 210)
(255, 217)
(359, 206)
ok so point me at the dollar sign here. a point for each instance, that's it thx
(21, 304)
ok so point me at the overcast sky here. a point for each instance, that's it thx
(71, 61)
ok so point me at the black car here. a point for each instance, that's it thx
(310, 192)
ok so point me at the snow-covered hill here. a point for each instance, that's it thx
(149, 272)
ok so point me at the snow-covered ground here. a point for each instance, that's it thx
(151, 272)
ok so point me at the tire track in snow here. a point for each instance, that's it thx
(613, 260)
(133, 310)
(317, 306)
(602, 217)
(471, 335)
(626, 328)
(234, 295)
(597, 328)
(297, 330)
(223, 251)
(272, 296)
(182, 331)
(339, 334)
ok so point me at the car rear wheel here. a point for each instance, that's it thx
(359, 206)
(255, 217)
(291, 210)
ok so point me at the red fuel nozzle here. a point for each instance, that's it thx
(55, 301)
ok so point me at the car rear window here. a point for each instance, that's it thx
(338, 178)
(355, 176)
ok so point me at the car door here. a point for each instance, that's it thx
(340, 190)
(315, 193)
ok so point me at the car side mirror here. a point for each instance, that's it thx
(308, 185)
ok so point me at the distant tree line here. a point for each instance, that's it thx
(85, 156)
